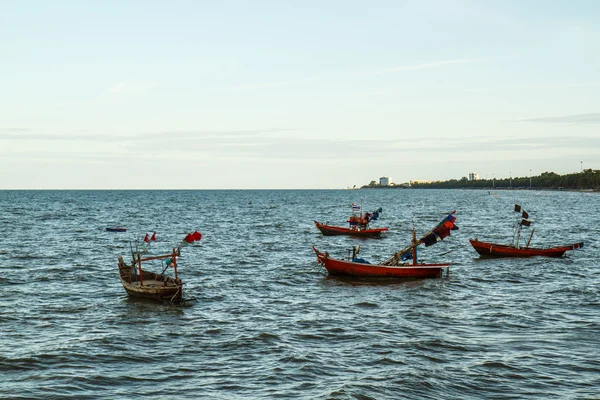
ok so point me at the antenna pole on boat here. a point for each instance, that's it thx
(174, 259)
(530, 236)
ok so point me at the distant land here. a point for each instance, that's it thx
(588, 180)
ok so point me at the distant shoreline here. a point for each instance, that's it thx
(587, 180)
(542, 189)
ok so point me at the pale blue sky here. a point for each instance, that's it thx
(303, 94)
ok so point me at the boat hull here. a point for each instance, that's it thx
(154, 286)
(328, 230)
(346, 268)
(486, 249)
(110, 229)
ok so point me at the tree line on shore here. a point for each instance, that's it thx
(588, 179)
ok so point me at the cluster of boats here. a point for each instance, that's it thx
(404, 264)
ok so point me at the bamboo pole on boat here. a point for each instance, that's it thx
(530, 236)
(157, 257)
(139, 262)
(394, 259)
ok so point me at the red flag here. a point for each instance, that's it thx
(153, 238)
(146, 239)
(189, 238)
(197, 235)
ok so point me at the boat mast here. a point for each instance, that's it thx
(414, 242)
(516, 235)
(361, 215)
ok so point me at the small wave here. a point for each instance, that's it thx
(309, 336)
(266, 336)
(35, 257)
(496, 365)
(366, 304)
(440, 344)
(388, 361)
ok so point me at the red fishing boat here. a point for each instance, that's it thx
(397, 266)
(329, 230)
(358, 224)
(357, 269)
(487, 249)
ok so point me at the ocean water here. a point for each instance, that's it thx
(267, 321)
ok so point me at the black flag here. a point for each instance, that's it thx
(525, 215)
(525, 222)
(517, 208)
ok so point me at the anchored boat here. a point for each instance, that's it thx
(398, 265)
(358, 224)
(488, 249)
(139, 282)
(157, 286)
(359, 231)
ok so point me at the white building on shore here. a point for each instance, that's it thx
(385, 181)
(473, 176)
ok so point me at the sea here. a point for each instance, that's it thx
(264, 320)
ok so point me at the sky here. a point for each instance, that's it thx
(294, 94)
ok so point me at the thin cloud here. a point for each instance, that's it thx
(435, 64)
(441, 63)
(66, 137)
(25, 135)
(132, 87)
(10, 130)
(549, 86)
(576, 119)
(268, 147)
(268, 85)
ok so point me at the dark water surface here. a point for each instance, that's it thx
(268, 322)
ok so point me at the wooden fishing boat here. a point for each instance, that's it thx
(115, 229)
(150, 285)
(356, 230)
(358, 224)
(486, 249)
(397, 266)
